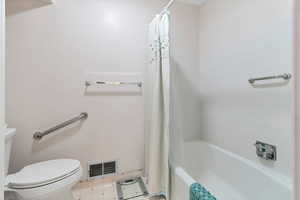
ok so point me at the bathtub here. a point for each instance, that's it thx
(226, 175)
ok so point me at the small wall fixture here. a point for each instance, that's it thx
(266, 151)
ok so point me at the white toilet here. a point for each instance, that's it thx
(49, 180)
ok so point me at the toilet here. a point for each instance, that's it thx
(49, 180)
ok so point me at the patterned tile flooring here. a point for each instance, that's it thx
(99, 190)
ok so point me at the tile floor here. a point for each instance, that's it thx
(104, 189)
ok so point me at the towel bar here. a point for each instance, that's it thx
(139, 84)
(282, 76)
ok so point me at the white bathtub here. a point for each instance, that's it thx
(227, 176)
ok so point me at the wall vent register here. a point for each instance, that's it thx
(101, 169)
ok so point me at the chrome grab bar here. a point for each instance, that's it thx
(283, 76)
(39, 135)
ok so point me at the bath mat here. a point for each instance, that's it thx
(131, 188)
(197, 192)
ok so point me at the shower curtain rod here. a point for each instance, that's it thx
(168, 6)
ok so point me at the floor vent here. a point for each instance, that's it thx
(131, 188)
(101, 169)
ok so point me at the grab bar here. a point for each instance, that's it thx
(39, 135)
(283, 76)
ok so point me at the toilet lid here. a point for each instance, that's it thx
(43, 173)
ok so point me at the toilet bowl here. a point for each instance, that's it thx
(48, 180)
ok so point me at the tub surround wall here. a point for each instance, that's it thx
(297, 97)
(183, 52)
(212, 99)
(239, 40)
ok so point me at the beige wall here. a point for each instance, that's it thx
(49, 50)
(2, 93)
(2, 64)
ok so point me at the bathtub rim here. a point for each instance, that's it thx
(279, 178)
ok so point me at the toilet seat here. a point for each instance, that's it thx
(43, 173)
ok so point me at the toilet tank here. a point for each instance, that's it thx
(9, 134)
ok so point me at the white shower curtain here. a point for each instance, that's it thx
(157, 103)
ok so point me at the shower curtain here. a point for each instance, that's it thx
(157, 103)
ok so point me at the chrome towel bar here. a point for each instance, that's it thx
(282, 76)
(39, 135)
(139, 84)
